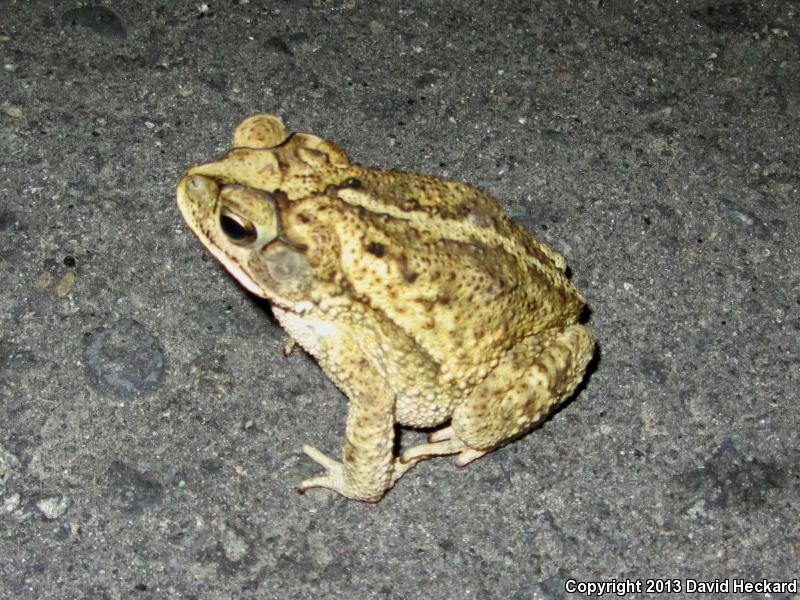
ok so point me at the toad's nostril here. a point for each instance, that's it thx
(201, 190)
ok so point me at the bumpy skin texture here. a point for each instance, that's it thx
(418, 296)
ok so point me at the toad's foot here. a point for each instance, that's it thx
(336, 478)
(441, 443)
(332, 480)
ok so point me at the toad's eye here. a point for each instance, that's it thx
(238, 229)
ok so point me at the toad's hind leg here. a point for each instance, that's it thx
(534, 377)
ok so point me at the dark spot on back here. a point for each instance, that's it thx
(408, 275)
(376, 249)
(409, 204)
(352, 182)
(496, 286)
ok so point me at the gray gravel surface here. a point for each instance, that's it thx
(150, 425)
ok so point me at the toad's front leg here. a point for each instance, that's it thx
(368, 467)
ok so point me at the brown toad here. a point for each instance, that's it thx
(418, 296)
